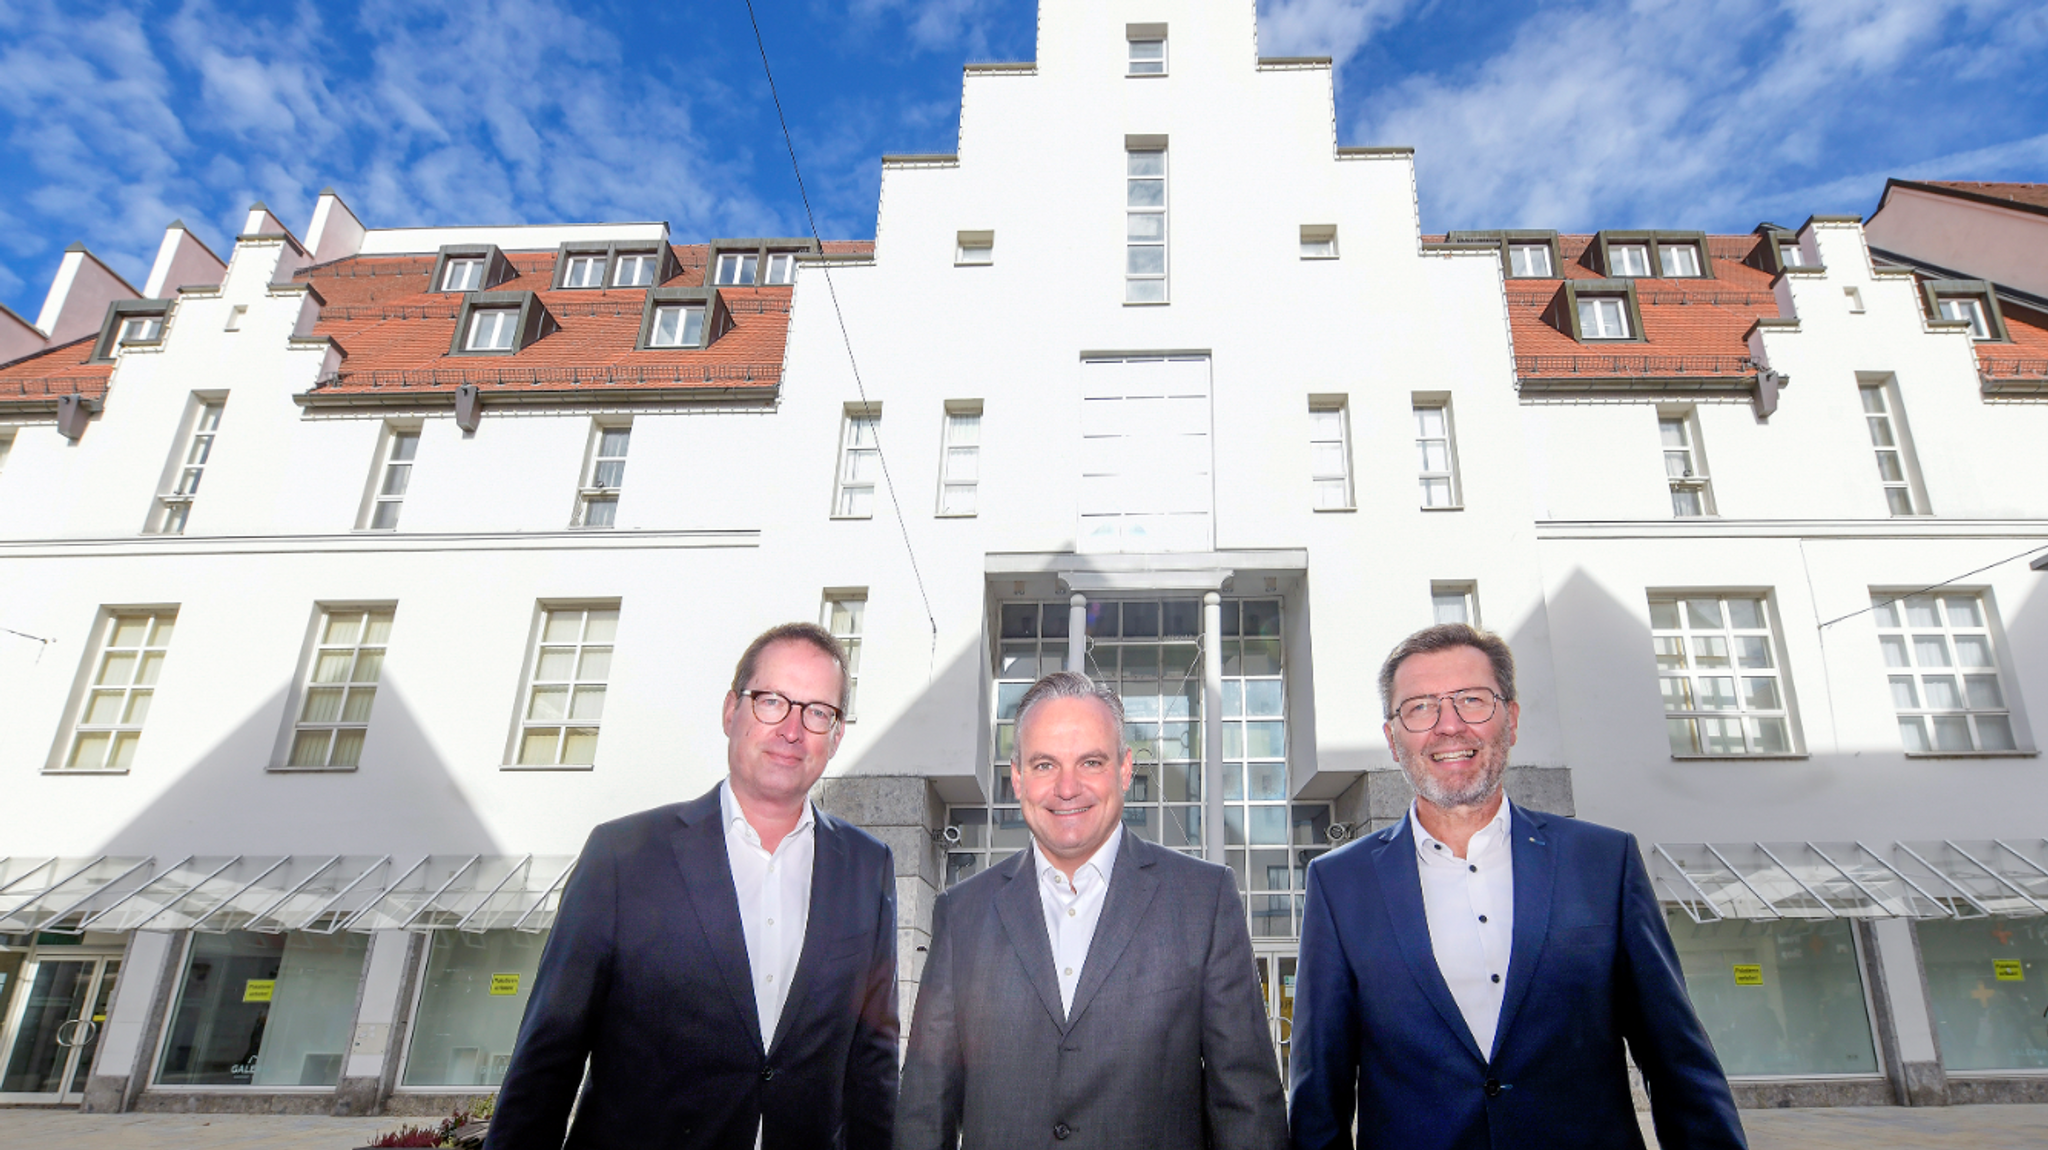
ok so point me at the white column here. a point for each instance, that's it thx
(380, 1003)
(1077, 633)
(1212, 727)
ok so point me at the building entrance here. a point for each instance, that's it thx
(52, 1024)
(1276, 982)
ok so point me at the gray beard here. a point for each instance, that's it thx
(1481, 790)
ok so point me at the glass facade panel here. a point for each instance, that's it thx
(264, 1010)
(1987, 980)
(1777, 998)
(473, 996)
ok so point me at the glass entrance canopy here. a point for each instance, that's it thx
(1805, 880)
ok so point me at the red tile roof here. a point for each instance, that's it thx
(55, 372)
(2026, 357)
(396, 333)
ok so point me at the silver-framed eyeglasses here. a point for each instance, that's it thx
(772, 708)
(1474, 705)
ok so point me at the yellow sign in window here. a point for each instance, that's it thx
(259, 989)
(503, 984)
(1748, 974)
(2008, 970)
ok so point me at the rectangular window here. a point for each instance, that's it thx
(781, 268)
(235, 315)
(124, 672)
(1530, 260)
(1780, 998)
(1983, 985)
(394, 476)
(597, 502)
(1145, 226)
(1679, 259)
(1791, 256)
(142, 329)
(492, 329)
(1437, 455)
(1943, 672)
(636, 269)
(462, 275)
(1319, 241)
(860, 464)
(584, 272)
(1329, 447)
(174, 507)
(264, 1009)
(1628, 260)
(960, 467)
(1685, 466)
(737, 269)
(1454, 603)
(1887, 439)
(678, 326)
(1854, 297)
(1603, 317)
(1717, 666)
(572, 660)
(340, 687)
(1148, 57)
(1967, 309)
(974, 248)
(472, 996)
(845, 616)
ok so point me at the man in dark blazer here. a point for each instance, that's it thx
(727, 966)
(1093, 989)
(1470, 977)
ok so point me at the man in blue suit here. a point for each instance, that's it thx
(726, 966)
(1470, 977)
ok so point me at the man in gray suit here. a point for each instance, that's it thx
(1093, 989)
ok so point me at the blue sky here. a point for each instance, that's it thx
(1710, 114)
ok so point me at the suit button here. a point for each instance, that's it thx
(1493, 1088)
(1061, 1131)
(767, 1074)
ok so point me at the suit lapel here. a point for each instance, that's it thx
(1535, 877)
(1023, 919)
(699, 846)
(831, 890)
(1401, 885)
(1131, 886)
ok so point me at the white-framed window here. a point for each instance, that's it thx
(462, 275)
(174, 507)
(845, 616)
(342, 672)
(235, 315)
(1148, 57)
(1603, 317)
(1319, 241)
(1454, 602)
(492, 329)
(1628, 260)
(564, 704)
(1436, 453)
(1967, 309)
(1791, 255)
(123, 674)
(394, 476)
(142, 328)
(1530, 261)
(1888, 441)
(960, 460)
(1943, 672)
(597, 501)
(584, 271)
(1685, 465)
(736, 269)
(860, 465)
(1679, 259)
(1145, 225)
(1329, 448)
(636, 269)
(974, 248)
(1717, 666)
(781, 268)
(680, 325)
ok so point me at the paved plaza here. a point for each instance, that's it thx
(1849, 1128)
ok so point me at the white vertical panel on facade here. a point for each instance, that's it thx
(1146, 458)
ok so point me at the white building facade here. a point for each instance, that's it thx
(348, 592)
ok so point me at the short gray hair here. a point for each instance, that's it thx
(1071, 685)
(1443, 637)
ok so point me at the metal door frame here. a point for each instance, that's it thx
(1271, 953)
(74, 1074)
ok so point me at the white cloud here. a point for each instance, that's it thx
(959, 26)
(1334, 28)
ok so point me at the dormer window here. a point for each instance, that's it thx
(1967, 301)
(1603, 317)
(462, 275)
(736, 269)
(1791, 255)
(781, 268)
(142, 329)
(681, 325)
(1961, 308)
(636, 269)
(1679, 259)
(1628, 260)
(1148, 49)
(585, 271)
(492, 329)
(1530, 261)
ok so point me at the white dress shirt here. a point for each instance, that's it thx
(1072, 909)
(1470, 904)
(775, 902)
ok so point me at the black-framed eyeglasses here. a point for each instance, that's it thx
(772, 708)
(1474, 705)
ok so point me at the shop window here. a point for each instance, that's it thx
(1986, 981)
(1777, 998)
(471, 999)
(264, 1010)
(1717, 665)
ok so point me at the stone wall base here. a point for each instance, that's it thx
(1971, 1091)
(232, 1102)
(358, 1098)
(430, 1105)
(105, 1094)
(1777, 1095)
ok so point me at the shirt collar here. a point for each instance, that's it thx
(1103, 860)
(729, 807)
(1493, 835)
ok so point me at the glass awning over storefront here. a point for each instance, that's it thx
(57, 894)
(1806, 880)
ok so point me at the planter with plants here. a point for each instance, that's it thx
(465, 1128)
